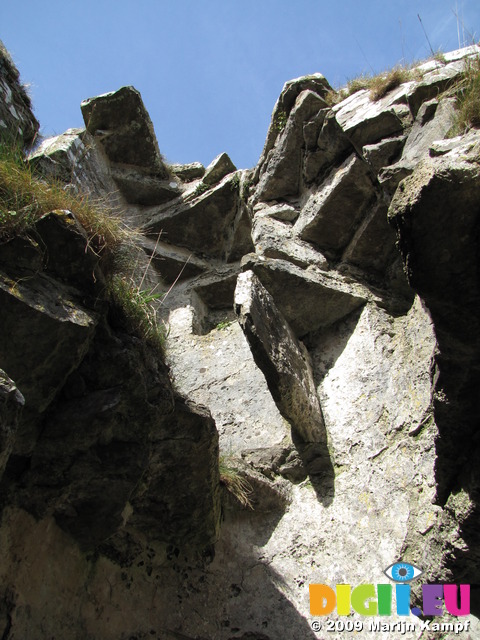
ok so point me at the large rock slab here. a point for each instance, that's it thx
(17, 122)
(433, 121)
(331, 148)
(281, 357)
(73, 158)
(201, 224)
(366, 122)
(308, 299)
(281, 174)
(285, 103)
(11, 403)
(120, 122)
(220, 167)
(334, 210)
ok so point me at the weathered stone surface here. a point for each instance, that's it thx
(373, 246)
(172, 263)
(283, 360)
(332, 148)
(17, 122)
(435, 211)
(285, 212)
(438, 75)
(307, 299)
(383, 153)
(281, 173)
(139, 188)
(120, 122)
(188, 172)
(220, 167)
(49, 341)
(200, 224)
(127, 466)
(291, 90)
(11, 403)
(432, 123)
(275, 239)
(334, 211)
(73, 158)
(366, 122)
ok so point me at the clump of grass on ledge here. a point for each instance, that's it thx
(468, 98)
(234, 483)
(139, 309)
(25, 197)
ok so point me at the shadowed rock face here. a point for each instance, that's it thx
(322, 316)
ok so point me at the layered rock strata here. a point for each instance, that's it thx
(321, 307)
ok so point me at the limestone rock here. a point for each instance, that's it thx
(73, 158)
(438, 75)
(331, 149)
(220, 167)
(366, 122)
(275, 239)
(307, 299)
(432, 123)
(172, 263)
(334, 211)
(383, 153)
(200, 224)
(188, 172)
(281, 173)
(284, 362)
(138, 188)
(11, 403)
(291, 90)
(17, 122)
(120, 122)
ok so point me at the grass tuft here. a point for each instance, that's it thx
(139, 309)
(468, 98)
(234, 483)
(25, 197)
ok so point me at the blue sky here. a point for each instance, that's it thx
(210, 71)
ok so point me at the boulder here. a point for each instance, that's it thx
(331, 149)
(334, 211)
(291, 90)
(432, 123)
(220, 167)
(120, 122)
(308, 299)
(275, 239)
(11, 403)
(366, 122)
(74, 159)
(284, 361)
(138, 188)
(201, 224)
(188, 172)
(281, 173)
(17, 122)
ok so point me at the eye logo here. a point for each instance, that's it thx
(402, 572)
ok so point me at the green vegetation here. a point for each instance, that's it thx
(139, 310)
(468, 98)
(280, 120)
(201, 188)
(25, 197)
(234, 483)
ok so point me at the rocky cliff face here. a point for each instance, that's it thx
(322, 315)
